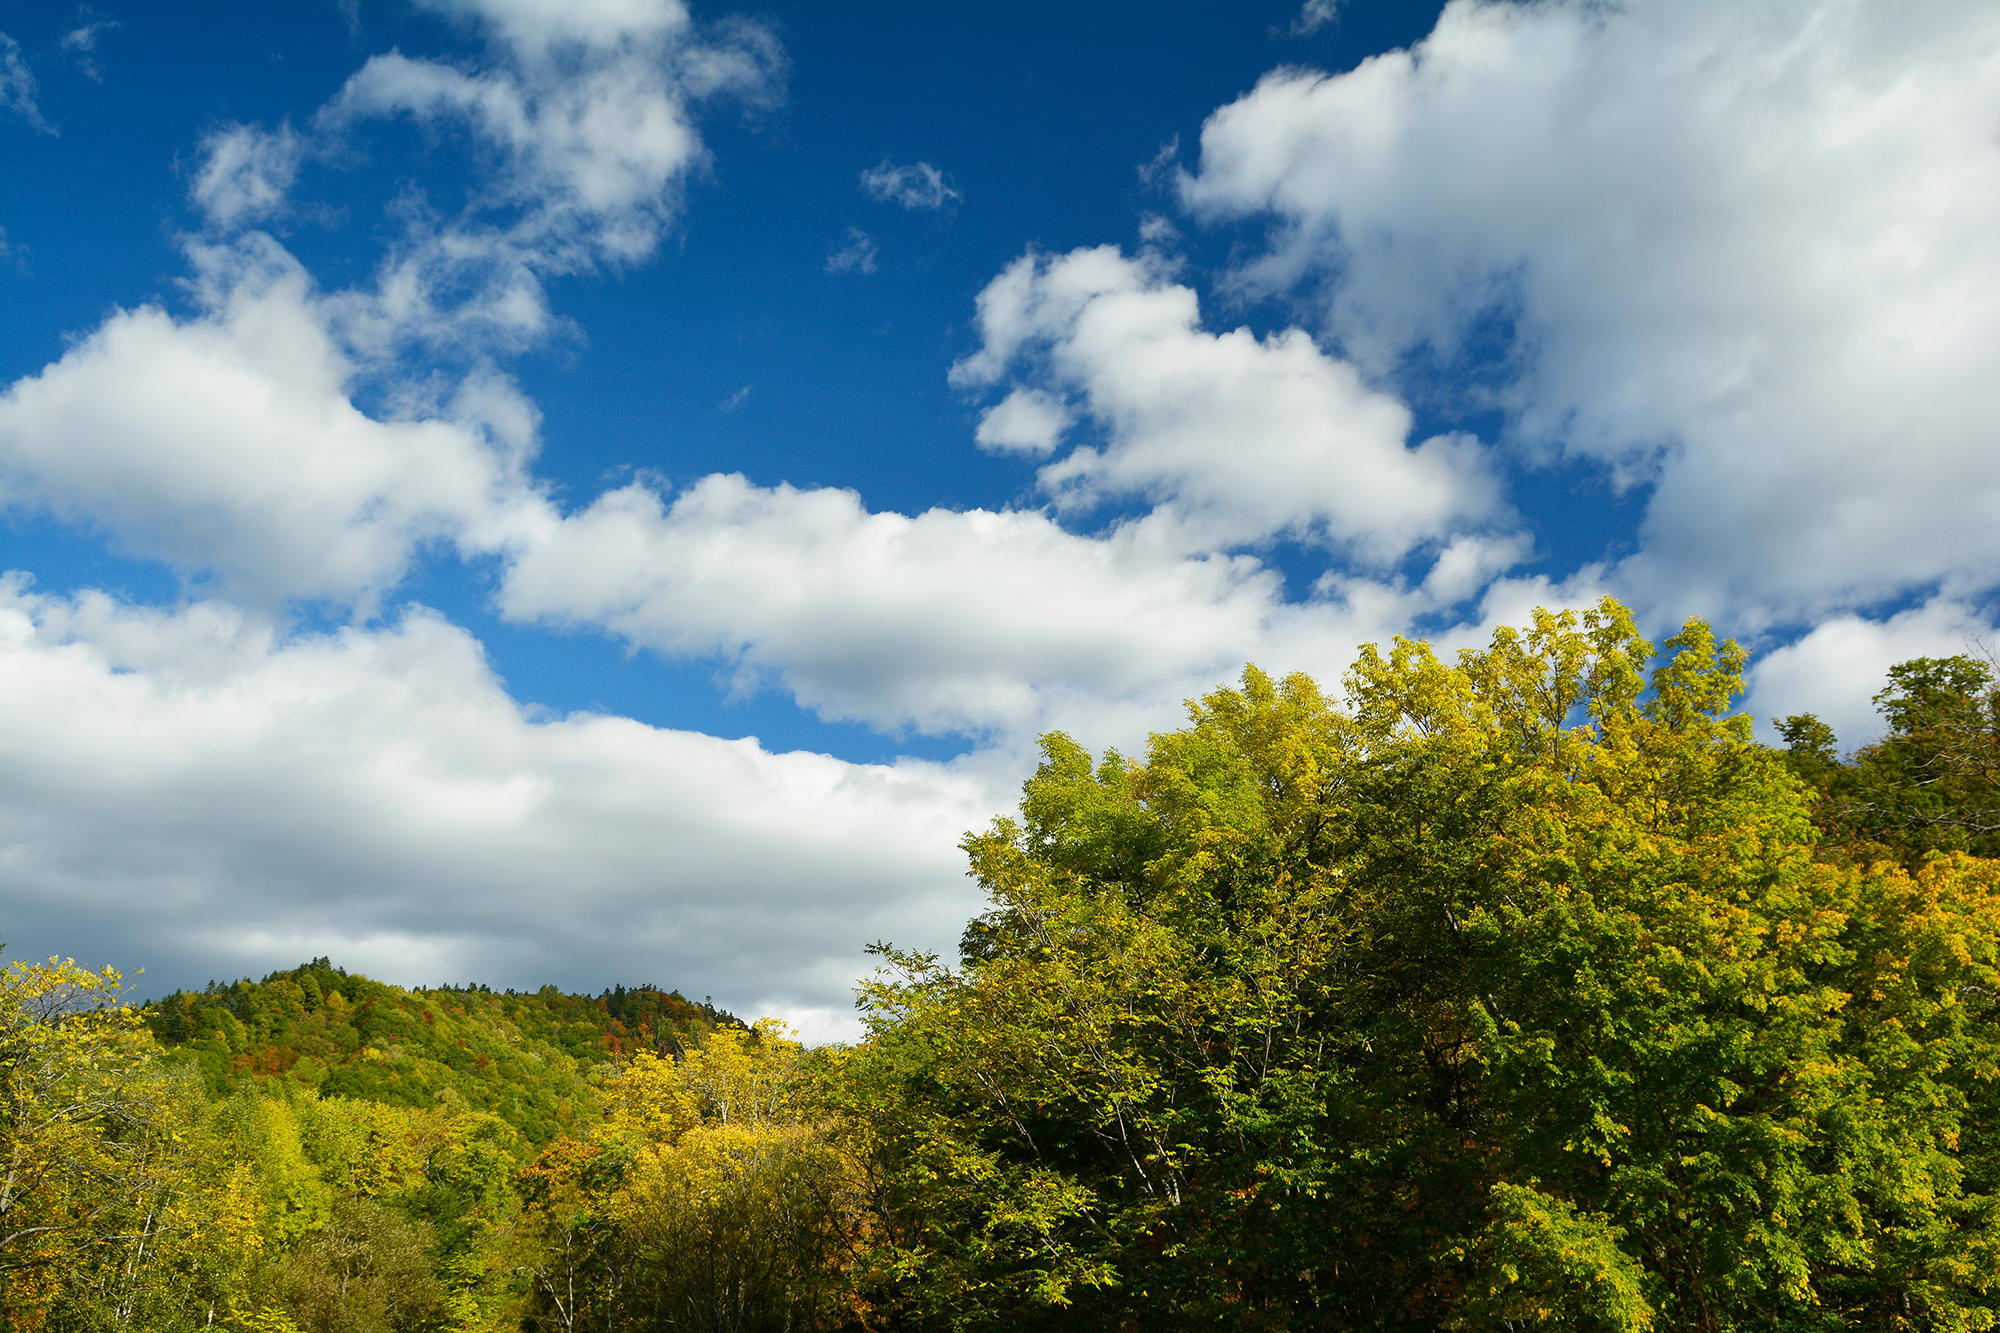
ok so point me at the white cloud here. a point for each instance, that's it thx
(1314, 15)
(378, 797)
(1747, 250)
(228, 443)
(1165, 158)
(590, 150)
(246, 173)
(1467, 565)
(1836, 670)
(537, 27)
(17, 86)
(992, 625)
(855, 253)
(1026, 421)
(916, 185)
(1233, 438)
(946, 621)
(585, 117)
(80, 42)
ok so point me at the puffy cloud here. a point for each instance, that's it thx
(1026, 421)
(377, 796)
(946, 621)
(1745, 252)
(585, 115)
(17, 86)
(1233, 438)
(856, 253)
(245, 173)
(1836, 670)
(227, 443)
(991, 625)
(590, 150)
(917, 186)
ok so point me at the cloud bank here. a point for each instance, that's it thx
(1738, 260)
(1743, 251)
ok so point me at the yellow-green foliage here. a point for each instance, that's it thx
(1510, 993)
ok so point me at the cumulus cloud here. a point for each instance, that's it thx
(918, 186)
(227, 443)
(1744, 250)
(1233, 438)
(991, 625)
(1026, 421)
(246, 172)
(856, 252)
(378, 796)
(964, 621)
(1837, 669)
(585, 117)
(17, 86)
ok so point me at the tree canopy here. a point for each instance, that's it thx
(1510, 994)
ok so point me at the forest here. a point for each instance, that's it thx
(1520, 989)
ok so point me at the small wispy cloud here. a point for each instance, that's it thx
(856, 253)
(917, 186)
(1314, 15)
(1158, 231)
(80, 42)
(246, 172)
(17, 86)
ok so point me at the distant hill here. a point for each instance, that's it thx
(532, 1058)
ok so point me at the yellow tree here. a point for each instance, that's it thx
(76, 1125)
(711, 1197)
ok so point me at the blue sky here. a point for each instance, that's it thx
(601, 491)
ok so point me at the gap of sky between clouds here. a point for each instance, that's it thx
(894, 384)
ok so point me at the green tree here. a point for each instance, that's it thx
(368, 1270)
(1511, 993)
(1932, 783)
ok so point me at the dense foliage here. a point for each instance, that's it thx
(528, 1058)
(1513, 995)
(1521, 990)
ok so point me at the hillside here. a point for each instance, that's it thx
(527, 1057)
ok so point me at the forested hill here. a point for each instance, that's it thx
(525, 1056)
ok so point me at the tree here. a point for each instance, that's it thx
(367, 1270)
(79, 1127)
(1511, 993)
(1932, 783)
